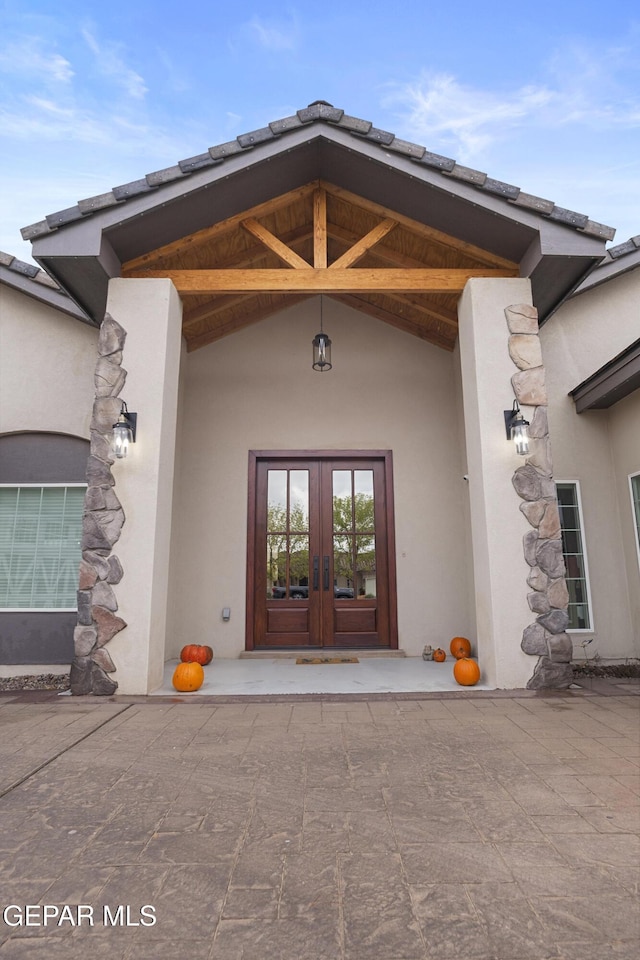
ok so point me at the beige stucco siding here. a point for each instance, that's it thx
(625, 448)
(47, 360)
(598, 449)
(256, 390)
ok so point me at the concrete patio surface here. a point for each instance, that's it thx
(476, 826)
(283, 675)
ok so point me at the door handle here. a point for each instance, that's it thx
(325, 573)
(316, 572)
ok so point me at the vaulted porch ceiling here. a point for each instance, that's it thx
(319, 239)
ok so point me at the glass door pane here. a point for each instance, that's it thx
(288, 534)
(354, 539)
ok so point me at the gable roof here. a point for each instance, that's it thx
(87, 244)
(320, 111)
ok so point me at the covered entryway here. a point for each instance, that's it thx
(212, 273)
(321, 570)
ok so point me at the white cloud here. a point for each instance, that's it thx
(469, 120)
(589, 87)
(28, 57)
(275, 37)
(110, 63)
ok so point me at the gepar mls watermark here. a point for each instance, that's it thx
(78, 915)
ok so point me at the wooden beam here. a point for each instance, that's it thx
(415, 328)
(320, 229)
(210, 310)
(427, 308)
(421, 229)
(216, 230)
(225, 327)
(273, 243)
(212, 282)
(359, 249)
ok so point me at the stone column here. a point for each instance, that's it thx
(497, 526)
(151, 313)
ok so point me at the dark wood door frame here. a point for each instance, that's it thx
(336, 455)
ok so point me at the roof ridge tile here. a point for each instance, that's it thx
(320, 110)
(622, 249)
(196, 163)
(562, 215)
(168, 175)
(468, 174)
(133, 189)
(99, 202)
(29, 270)
(255, 136)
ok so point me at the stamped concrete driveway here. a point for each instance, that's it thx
(460, 828)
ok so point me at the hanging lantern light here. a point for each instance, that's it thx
(124, 432)
(321, 348)
(517, 429)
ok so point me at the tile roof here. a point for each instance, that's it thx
(617, 260)
(318, 112)
(28, 270)
(632, 245)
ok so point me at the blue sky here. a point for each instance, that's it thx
(545, 95)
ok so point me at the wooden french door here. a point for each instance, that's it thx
(321, 564)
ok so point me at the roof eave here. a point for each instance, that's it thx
(614, 381)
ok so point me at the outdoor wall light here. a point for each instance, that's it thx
(517, 429)
(321, 348)
(124, 432)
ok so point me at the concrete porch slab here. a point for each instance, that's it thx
(264, 676)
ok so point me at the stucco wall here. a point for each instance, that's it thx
(54, 392)
(624, 419)
(256, 390)
(599, 448)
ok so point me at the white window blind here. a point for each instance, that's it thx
(40, 534)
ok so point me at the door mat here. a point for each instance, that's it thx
(327, 660)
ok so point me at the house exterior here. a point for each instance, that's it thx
(268, 505)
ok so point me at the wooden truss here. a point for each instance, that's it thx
(319, 239)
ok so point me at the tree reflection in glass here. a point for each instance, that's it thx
(354, 542)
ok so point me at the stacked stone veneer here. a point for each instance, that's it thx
(102, 522)
(546, 638)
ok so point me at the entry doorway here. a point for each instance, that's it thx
(321, 558)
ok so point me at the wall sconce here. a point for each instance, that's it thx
(124, 432)
(517, 429)
(321, 348)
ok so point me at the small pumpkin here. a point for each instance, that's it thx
(460, 647)
(439, 655)
(196, 653)
(466, 672)
(188, 677)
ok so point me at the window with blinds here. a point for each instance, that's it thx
(40, 535)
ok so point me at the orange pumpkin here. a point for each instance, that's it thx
(460, 647)
(439, 655)
(196, 653)
(466, 672)
(188, 677)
